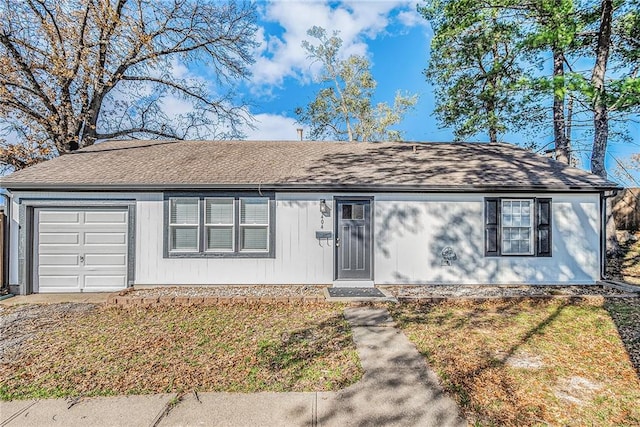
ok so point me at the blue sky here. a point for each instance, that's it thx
(396, 40)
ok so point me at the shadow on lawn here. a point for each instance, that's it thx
(294, 352)
(468, 375)
(625, 313)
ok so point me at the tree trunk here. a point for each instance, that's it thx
(568, 127)
(600, 137)
(559, 131)
(493, 134)
(601, 116)
(600, 113)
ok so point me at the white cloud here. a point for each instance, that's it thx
(282, 56)
(411, 18)
(270, 127)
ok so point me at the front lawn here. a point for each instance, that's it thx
(530, 363)
(239, 348)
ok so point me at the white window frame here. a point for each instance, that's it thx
(530, 226)
(203, 226)
(207, 226)
(173, 226)
(242, 225)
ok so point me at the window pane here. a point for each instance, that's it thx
(254, 238)
(184, 211)
(254, 211)
(516, 240)
(346, 211)
(184, 238)
(358, 212)
(220, 238)
(219, 211)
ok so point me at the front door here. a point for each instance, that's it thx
(353, 241)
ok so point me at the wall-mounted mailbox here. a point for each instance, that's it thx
(324, 234)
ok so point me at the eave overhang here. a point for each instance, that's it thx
(301, 187)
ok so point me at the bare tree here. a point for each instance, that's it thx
(76, 71)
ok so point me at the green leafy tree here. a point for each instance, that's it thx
(342, 109)
(474, 66)
(552, 27)
(617, 40)
(495, 53)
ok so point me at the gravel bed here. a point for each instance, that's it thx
(496, 291)
(230, 291)
(397, 291)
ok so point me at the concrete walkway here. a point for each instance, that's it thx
(80, 297)
(397, 389)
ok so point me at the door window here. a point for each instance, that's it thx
(353, 211)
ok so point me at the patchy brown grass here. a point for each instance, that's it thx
(528, 363)
(242, 348)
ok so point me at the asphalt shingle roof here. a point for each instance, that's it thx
(296, 164)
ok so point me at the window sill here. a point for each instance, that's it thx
(513, 256)
(220, 255)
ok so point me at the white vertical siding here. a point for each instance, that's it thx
(412, 230)
(299, 257)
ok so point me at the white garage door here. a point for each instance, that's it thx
(80, 250)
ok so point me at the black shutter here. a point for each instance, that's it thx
(543, 228)
(491, 226)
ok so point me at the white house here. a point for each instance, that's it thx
(125, 213)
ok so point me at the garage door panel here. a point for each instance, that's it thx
(105, 281)
(69, 283)
(103, 260)
(81, 249)
(59, 239)
(105, 238)
(58, 260)
(59, 217)
(105, 217)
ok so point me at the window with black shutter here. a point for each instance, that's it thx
(518, 227)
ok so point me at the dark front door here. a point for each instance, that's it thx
(353, 242)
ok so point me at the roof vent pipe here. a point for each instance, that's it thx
(299, 130)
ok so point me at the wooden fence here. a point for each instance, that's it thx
(3, 248)
(626, 209)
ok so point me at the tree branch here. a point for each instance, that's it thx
(137, 130)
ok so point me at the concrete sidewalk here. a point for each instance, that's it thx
(397, 389)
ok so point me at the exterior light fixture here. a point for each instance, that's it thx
(324, 208)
